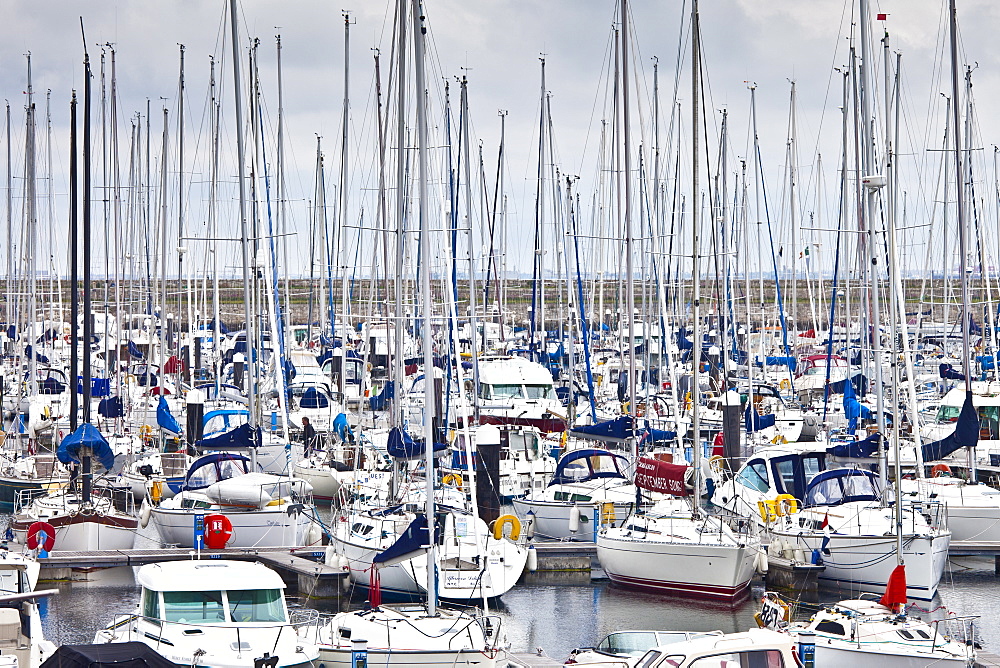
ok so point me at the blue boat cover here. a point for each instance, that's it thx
(381, 401)
(217, 469)
(852, 408)
(243, 436)
(313, 398)
(341, 427)
(413, 542)
(86, 436)
(754, 421)
(403, 446)
(563, 477)
(618, 429)
(966, 434)
(780, 360)
(134, 351)
(948, 372)
(857, 449)
(111, 407)
(165, 419)
(837, 486)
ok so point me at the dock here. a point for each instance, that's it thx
(302, 567)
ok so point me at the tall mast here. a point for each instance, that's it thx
(419, 32)
(695, 276)
(10, 229)
(473, 322)
(960, 213)
(87, 312)
(244, 223)
(342, 219)
(397, 360)
(282, 204)
(629, 270)
(31, 243)
(74, 314)
(180, 210)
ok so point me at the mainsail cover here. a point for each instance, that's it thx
(966, 434)
(657, 476)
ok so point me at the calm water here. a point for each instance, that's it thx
(554, 617)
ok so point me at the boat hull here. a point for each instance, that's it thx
(79, 532)
(552, 519)
(705, 571)
(263, 528)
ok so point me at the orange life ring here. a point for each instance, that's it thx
(45, 529)
(940, 470)
(218, 531)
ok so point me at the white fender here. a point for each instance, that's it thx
(574, 519)
(144, 512)
(532, 563)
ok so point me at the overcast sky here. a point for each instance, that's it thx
(497, 44)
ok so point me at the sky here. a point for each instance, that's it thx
(497, 44)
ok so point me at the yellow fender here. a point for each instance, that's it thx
(768, 510)
(156, 492)
(786, 504)
(608, 512)
(504, 520)
(453, 479)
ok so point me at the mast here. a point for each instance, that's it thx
(343, 217)
(397, 360)
(960, 214)
(419, 32)
(181, 250)
(473, 322)
(244, 223)
(74, 314)
(87, 315)
(629, 269)
(695, 276)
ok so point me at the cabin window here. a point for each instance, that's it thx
(632, 643)
(758, 658)
(256, 605)
(540, 392)
(193, 607)
(651, 658)
(754, 476)
(833, 628)
(948, 413)
(150, 604)
(784, 471)
(507, 391)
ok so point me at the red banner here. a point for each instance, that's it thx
(657, 476)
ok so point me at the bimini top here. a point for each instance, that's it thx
(514, 371)
(577, 466)
(210, 469)
(213, 575)
(837, 486)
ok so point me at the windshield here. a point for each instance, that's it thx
(506, 391)
(193, 607)
(256, 605)
(754, 476)
(540, 392)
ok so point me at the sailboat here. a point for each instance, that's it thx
(675, 546)
(425, 633)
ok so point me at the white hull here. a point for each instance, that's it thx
(552, 519)
(699, 570)
(271, 527)
(829, 655)
(391, 658)
(864, 563)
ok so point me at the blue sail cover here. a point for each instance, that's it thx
(241, 437)
(852, 408)
(111, 407)
(86, 436)
(948, 372)
(413, 542)
(618, 429)
(659, 436)
(856, 449)
(966, 434)
(403, 446)
(781, 360)
(165, 419)
(381, 401)
(133, 350)
(754, 421)
(341, 427)
(566, 474)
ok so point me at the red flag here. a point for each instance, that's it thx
(895, 590)
(826, 521)
(881, 17)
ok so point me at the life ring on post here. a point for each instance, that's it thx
(504, 520)
(453, 479)
(940, 470)
(786, 504)
(47, 530)
(785, 384)
(218, 531)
